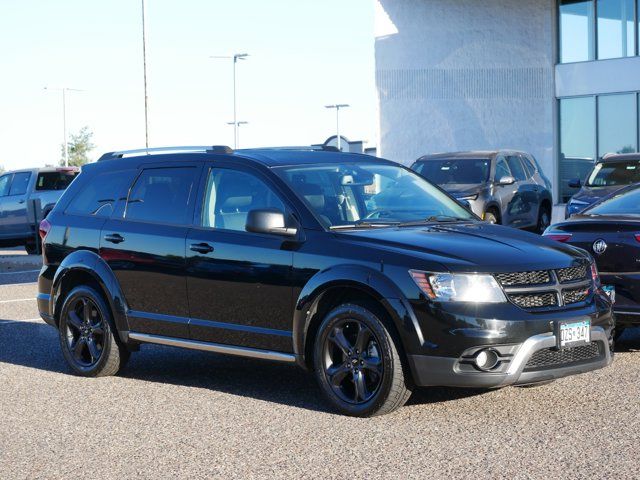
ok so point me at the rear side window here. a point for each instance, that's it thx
(162, 195)
(20, 183)
(517, 170)
(4, 184)
(54, 180)
(99, 195)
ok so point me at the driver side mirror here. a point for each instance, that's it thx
(507, 180)
(268, 220)
(575, 183)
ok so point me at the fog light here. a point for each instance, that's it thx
(486, 359)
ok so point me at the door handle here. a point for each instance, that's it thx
(201, 247)
(114, 238)
(21, 201)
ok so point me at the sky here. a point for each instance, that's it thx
(304, 54)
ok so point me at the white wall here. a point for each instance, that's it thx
(466, 75)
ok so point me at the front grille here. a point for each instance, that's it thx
(535, 300)
(514, 279)
(574, 296)
(552, 357)
(572, 274)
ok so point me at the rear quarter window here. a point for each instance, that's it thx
(54, 180)
(100, 194)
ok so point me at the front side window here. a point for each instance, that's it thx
(611, 174)
(100, 194)
(627, 203)
(4, 184)
(162, 195)
(20, 183)
(466, 171)
(231, 195)
(502, 169)
(517, 170)
(369, 193)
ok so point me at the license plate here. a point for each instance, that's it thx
(574, 333)
(610, 290)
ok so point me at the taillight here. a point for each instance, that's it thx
(43, 229)
(559, 237)
(637, 236)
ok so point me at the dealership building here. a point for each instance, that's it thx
(557, 78)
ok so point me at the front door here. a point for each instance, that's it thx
(144, 245)
(239, 282)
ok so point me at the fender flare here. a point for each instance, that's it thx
(91, 264)
(369, 281)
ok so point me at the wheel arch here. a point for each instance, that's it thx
(331, 287)
(494, 207)
(84, 267)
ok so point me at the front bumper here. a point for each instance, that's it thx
(452, 372)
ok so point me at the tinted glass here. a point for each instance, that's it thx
(528, 166)
(615, 28)
(99, 195)
(54, 180)
(502, 170)
(623, 204)
(576, 31)
(517, 170)
(459, 171)
(4, 184)
(19, 184)
(162, 195)
(618, 173)
(617, 127)
(346, 194)
(231, 195)
(577, 141)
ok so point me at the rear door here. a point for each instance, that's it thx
(14, 207)
(144, 245)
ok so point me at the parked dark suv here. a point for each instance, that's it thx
(348, 265)
(505, 187)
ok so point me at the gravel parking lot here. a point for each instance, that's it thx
(181, 413)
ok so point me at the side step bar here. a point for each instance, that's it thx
(213, 347)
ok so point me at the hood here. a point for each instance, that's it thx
(472, 247)
(462, 189)
(593, 194)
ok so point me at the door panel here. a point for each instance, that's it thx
(505, 193)
(16, 219)
(239, 283)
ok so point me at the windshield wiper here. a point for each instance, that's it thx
(435, 219)
(364, 224)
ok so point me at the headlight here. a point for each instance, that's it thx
(459, 287)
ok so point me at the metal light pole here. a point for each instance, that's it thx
(64, 91)
(338, 106)
(144, 66)
(237, 131)
(235, 57)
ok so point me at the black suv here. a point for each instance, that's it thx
(351, 266)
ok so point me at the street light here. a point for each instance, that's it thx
(235, 57)
(338, 106)
(237, 126)
(64, 91)
(144, 67)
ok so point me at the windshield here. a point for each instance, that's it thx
(618, 173)
(343, 195)
(627, 203)
(459, 171)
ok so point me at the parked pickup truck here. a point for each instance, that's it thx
(17, 190)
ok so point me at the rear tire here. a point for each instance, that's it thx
(357, 362)
(31, 248)
(87, 335)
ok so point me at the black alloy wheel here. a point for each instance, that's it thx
(85, 332)
(544, 220)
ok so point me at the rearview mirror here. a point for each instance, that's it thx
(356, 180)
(507, 180)
(268, 220)
(575, 183)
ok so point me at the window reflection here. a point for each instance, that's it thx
(617, 124)
(615, 28)
(576, 31)
(577, 141)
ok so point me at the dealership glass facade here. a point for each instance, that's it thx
(597, 29)
(592, 126)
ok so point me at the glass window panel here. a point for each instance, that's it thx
(616, 31)
(617, 124)
(576, 31)
(577, 141)
(20, 183)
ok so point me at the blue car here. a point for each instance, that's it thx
(610, 173)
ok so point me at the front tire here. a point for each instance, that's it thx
(544, 220)
(491, 217)
(357, 363)
(87, 337)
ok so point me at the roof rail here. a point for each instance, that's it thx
(161, 150)
(304, 148)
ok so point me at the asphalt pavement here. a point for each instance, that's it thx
(177, 413)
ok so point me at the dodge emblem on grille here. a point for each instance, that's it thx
(599, 246)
